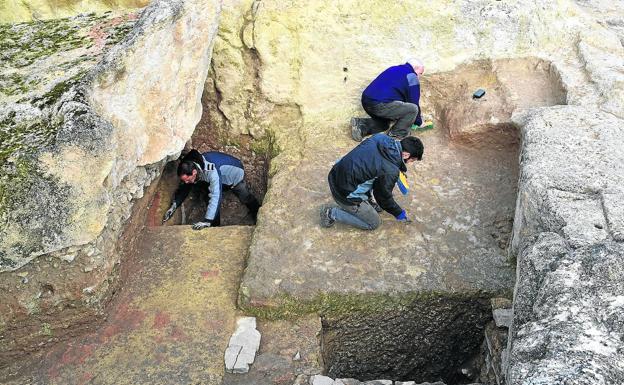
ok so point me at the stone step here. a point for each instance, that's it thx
(172, 319)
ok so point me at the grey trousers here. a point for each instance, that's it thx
(362, 216)
(383, 113)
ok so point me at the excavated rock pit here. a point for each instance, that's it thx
(411, 303)
(265, 78)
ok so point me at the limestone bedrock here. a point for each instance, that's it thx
(136, 107)
(567, 320)
(16, 11)
(172, 320)
(95, 105)
(290, 255)
(312, 59)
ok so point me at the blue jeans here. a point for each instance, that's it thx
(362, 216)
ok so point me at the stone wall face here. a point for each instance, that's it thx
(567, 325)
(318, 56)
(115, 124)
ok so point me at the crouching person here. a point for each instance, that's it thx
(214, 171)
(373, 166)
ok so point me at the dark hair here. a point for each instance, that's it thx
(186, 168)
(414, 146)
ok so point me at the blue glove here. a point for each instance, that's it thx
(403, 217)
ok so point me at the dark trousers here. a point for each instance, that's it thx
(247, 198)
(383, 113)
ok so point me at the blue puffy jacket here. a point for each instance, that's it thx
(396, 83)
(373, 165)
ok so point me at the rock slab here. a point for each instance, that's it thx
(567, 313)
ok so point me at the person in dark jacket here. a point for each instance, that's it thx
(393, 95)
(373, 166)
(215, 171)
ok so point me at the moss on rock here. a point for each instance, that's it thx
(336, 305)
(42, 62)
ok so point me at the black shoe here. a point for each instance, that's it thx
(326, 219)
(356, 132)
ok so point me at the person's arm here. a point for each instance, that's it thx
(181, 193)
(214, 193)
(413, 94)
(382, 190)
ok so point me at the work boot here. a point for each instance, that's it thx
(356, 132)
(375, 205)
(326, 219)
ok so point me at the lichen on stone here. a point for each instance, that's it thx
(42, 61)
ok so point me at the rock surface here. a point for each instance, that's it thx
(567, 317)
(172, 320)
(34, 10)
(88, 140)
(292, 73)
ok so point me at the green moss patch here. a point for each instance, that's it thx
(35, 54)
(337, 305)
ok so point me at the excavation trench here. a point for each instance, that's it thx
(466, 193)
(212, 135)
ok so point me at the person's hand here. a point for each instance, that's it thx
(201, 225)
(170, 212)
(403, 217)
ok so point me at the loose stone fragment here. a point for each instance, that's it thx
(321, 380)
(503, 317)
(244, 344)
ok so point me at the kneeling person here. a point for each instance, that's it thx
(215, 171)
(374, 165)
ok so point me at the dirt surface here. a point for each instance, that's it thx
(462, 200)
(170, 323)
(510, 85)
(287, 349)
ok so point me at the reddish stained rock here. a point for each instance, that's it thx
(153, 217)
(161, 319)
(177, 334)
(86, 378)
(210, 273)
(123, 320)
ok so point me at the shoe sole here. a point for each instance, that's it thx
(356, 134)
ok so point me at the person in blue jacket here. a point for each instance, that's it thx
(393, 95)
(215, 171)
(373, 166)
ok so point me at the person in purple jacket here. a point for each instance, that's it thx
(393, 95)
